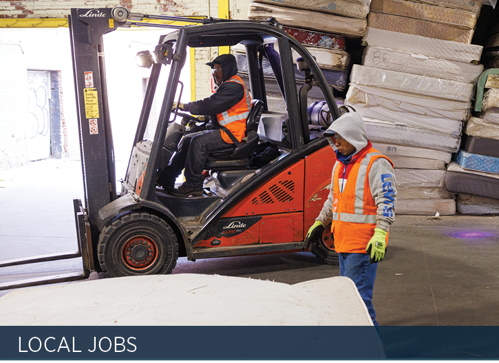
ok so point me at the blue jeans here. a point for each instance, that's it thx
(357, 267)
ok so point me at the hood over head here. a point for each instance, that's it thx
(228, 63)
(352, 128)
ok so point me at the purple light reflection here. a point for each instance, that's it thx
(472, 235)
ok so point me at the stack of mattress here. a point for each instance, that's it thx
(414, 90)
(317, 24)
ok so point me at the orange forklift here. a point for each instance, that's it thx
(246, 209)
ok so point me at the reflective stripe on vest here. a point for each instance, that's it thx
(226, 119)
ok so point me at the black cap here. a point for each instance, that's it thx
(222, 59)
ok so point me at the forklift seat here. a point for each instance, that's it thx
(238, 157)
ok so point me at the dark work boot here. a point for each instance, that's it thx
(185, 191)
(165, 180)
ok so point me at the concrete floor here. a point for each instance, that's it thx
(437, 272)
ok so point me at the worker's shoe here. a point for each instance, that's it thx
(167, 182)
(185, 191)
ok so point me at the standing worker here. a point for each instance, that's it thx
(360, 204)
(228, 107)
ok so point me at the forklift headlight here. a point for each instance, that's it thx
(144, 59)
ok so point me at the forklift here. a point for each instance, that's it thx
(246, 209)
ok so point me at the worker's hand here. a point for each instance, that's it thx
(178, 105)
(314, 234)
(377, 245)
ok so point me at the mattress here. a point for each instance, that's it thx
(490, 116)
(352, 9)
(308, 19)
(458, 180)
(337, 79)
(317, 39)
(409, 102)
(437, 14)
(490, 99)
(419, 27)
(413, 152)
(422, 193)
(468, 5)
(422, 65)
(481, 146)
(406, 162)
(412, 83)
(417, 44)
(492, 81)
(417, 178)
(444, 207)
(330, 59)
(390, 133)
(476, 162)
(481, 128)
(451, 127)
(474, 205)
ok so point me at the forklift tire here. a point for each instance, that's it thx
(137, 244)
(324, 248)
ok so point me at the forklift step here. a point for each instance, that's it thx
(245, 250)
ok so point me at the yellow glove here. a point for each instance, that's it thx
(178, 105)
(377, 245)
(314, 234)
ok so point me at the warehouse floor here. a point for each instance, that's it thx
(437, 271)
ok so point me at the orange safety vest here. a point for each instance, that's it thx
(234, 119)
(354, 209)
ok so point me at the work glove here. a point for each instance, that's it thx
(377, 245)
(314, 234)
(178, 105)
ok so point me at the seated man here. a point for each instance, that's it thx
(231, 104)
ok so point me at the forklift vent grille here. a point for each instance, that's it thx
(277, 193)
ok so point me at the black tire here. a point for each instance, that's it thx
(137, 244)
(324, 248)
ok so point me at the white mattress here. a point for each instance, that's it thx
(490, 99)
(481, 128)
(308, 19)
(490, 116)
(424, 28)
(409, 102)
(388, 132)
(432, 13)
(423, 193)
(413, 152)
(468, 5)
(331, 59)
(422, 65)
(407, 162)
(412, 83)
(352, 9)
(444, 207)
(417, 44)
(451, 127)
(417, 178)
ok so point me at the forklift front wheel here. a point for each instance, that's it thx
(137, 244)
(324, 248)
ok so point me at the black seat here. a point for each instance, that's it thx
(237, 157)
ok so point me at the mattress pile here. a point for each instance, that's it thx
(414, 90)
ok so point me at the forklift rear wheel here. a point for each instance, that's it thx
(137, 244)
(324, 249)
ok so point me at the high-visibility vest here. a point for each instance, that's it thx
(234, 119)
(354, 209)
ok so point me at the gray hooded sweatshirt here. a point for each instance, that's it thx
(383, 189)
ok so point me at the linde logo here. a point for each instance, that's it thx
(235, 224)
(93, 14)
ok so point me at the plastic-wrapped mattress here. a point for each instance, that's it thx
(399, 61)
(467, 5)
(331, 59)
(445, 207)
(413, 152)
(490, 99)
(387, 132)
(412, 83)
(423, 193)
(476, 162)
(417, 178)
(424, 28)
(490, 116)
(481, 146)
(352, 9)
(406, 162)
(417, 44)
(458, 180)
(410, 103)
(474, 205)
(308, 19)
(317, 39)
(481, 128)
(437, 14)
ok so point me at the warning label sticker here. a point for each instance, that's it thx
(89, 80)
(91, 103)
(94, 129)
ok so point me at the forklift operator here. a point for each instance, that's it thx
(228, 108)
